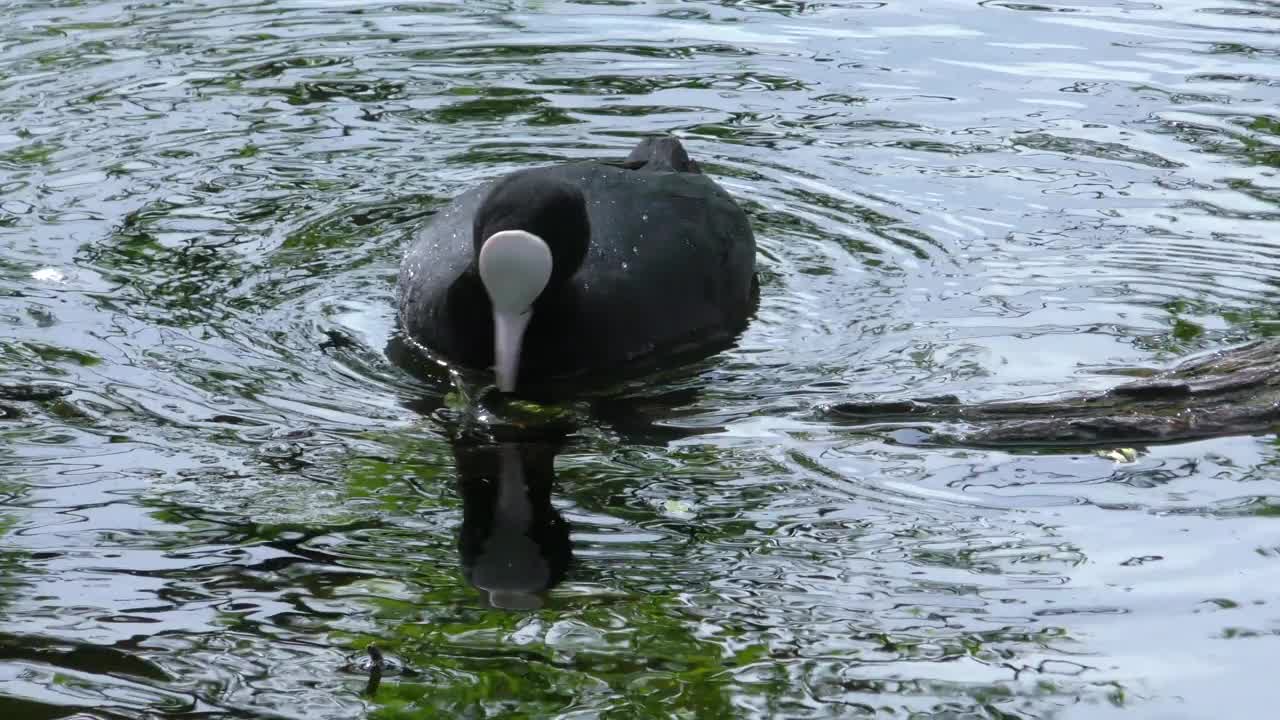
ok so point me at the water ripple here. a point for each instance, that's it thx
(201, 210)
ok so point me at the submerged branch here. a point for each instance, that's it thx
(32, 392)
(1232, 392)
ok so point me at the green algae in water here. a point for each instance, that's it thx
(937, 214)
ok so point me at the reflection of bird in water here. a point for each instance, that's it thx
(514, 544)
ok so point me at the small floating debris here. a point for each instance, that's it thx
(374, 663)
(377, 664)
(502, 412)
(338, 340)
(374, 660)
(49, 275)
(1120, 455)
(678, 507)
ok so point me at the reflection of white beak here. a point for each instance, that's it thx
(514, 266)
(511, 570)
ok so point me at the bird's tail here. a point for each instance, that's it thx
(661, 153)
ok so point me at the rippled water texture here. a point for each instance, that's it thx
(224, 489)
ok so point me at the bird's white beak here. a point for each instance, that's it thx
(514, 266)
(508, 331)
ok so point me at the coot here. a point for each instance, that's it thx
(582, 269)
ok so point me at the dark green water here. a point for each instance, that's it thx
(992, 200)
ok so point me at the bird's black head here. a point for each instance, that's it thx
(530, 236)
(552, 209)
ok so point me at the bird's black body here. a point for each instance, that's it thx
(651, 259)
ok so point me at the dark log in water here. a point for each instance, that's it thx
(1232, 392)
(32, 392)
(28, 392)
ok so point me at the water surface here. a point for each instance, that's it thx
(227, 489)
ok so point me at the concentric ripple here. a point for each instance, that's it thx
(217, 486)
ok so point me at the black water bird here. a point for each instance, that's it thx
(582, 269)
